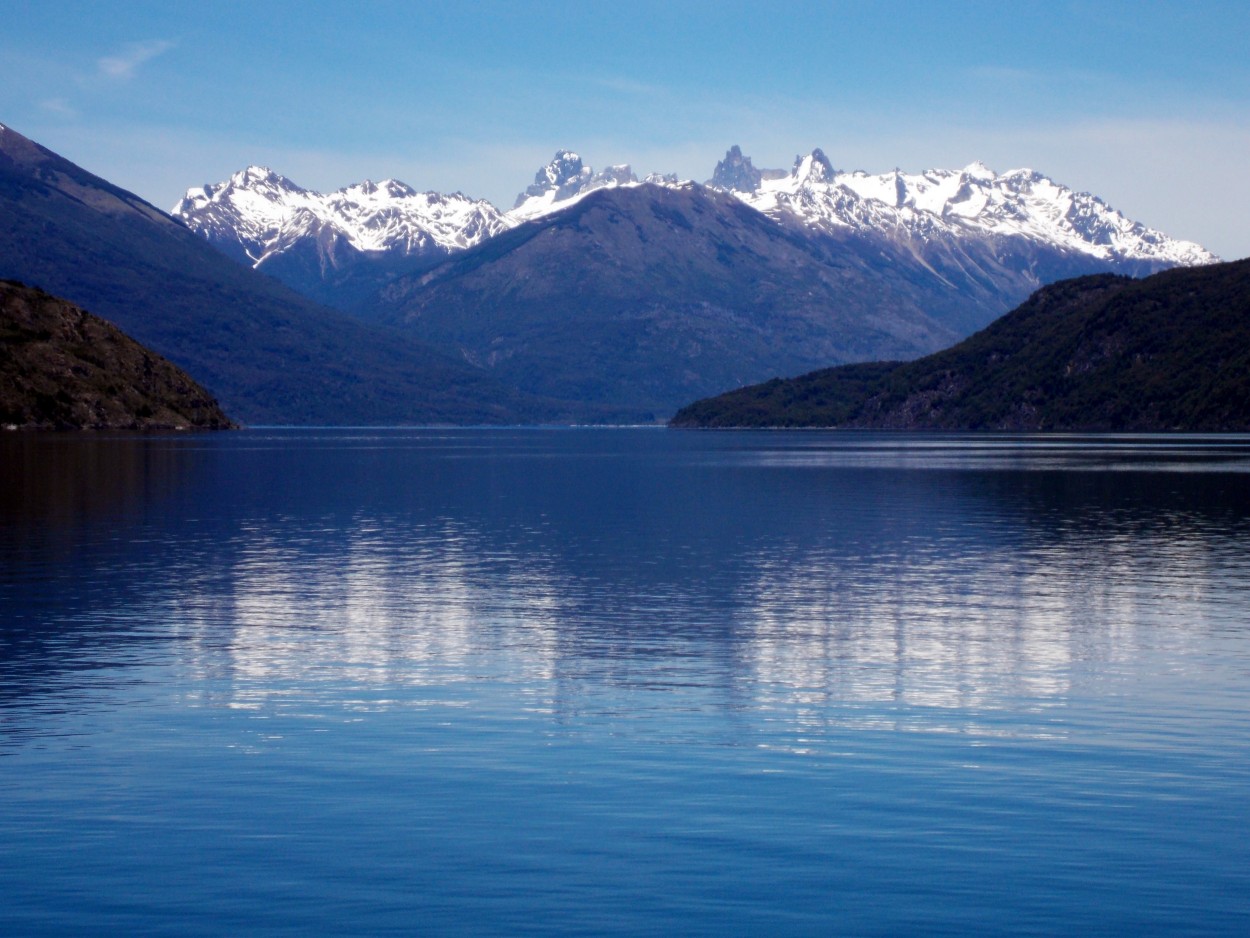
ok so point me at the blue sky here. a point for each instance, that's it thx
(1144, 104)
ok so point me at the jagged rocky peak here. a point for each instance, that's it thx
(621, 174)
(259, 179)
(815, 167)
(965, 205)
(735, 172)
(979, 171)
(396, 189)
(387, 188)
(258, 215)
(564, 167)
(565, 173)
(256, 177)
(566, 177)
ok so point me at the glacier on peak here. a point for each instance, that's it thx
(978, 170)
(386, 189)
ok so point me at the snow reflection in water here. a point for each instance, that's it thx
(625, 681)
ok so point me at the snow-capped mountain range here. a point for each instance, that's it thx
(921, 206)
(257, 214)
(600, 286)
(952, 203)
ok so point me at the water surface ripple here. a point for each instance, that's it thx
(623, 681)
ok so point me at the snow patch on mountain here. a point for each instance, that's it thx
(955, 204)
(258, 214)
(261, 213)
(936, 205)
(566, 179)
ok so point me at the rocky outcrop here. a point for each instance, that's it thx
(735, 173)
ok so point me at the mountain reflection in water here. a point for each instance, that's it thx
(937, 572)
(645, 595)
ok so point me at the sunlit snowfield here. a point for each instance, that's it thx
(581, 681)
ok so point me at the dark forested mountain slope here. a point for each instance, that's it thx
(269, 354)
(63, 368)
(1170, 352)
(648, 296)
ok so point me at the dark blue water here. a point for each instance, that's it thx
(586, 682)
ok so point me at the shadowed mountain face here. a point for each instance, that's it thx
(63, 369)
(650, 295)
(654, 295)
(1170, 352)
(270, 355)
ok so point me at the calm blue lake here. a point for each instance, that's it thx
(502, 682)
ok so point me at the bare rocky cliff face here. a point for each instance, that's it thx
(735, 173)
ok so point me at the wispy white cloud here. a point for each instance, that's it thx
(123, 65)
(59, 106)
(627, 86)
(997, 73)
(1012, 74)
